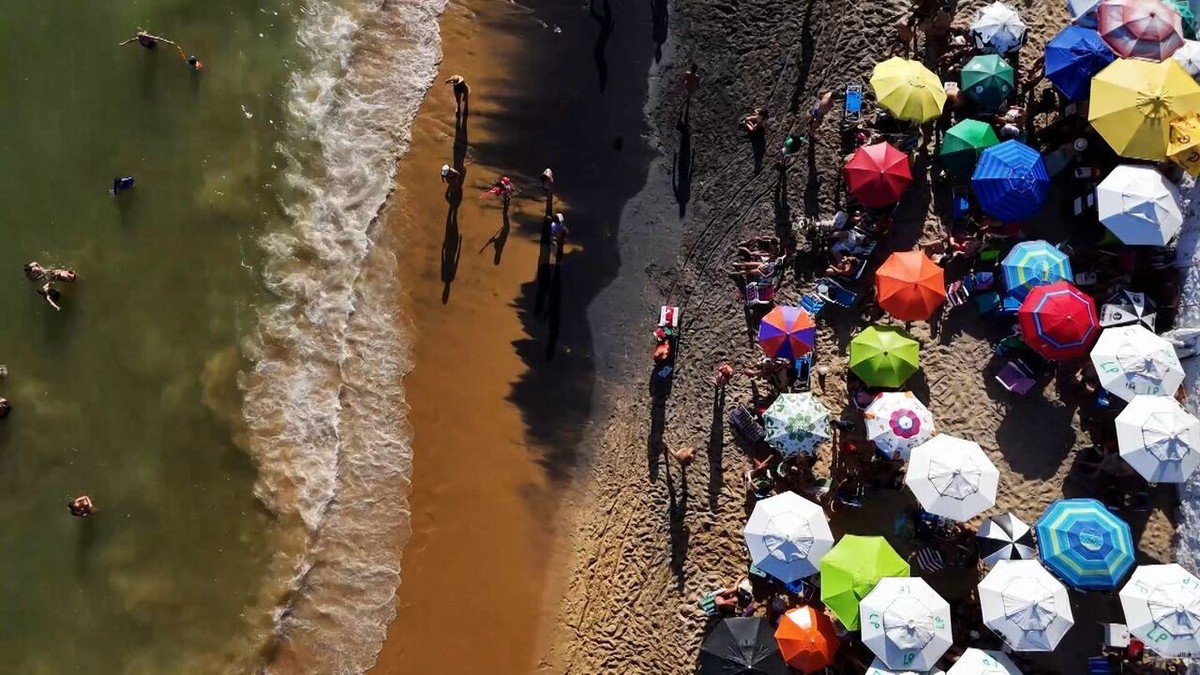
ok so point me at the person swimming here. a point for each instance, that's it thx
(146, 40)
(34, 271)
(121, 184)
(81, 507)
(51, 295)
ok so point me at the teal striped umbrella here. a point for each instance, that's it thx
(1188, 17)
(1031, 264)
(1083, 543)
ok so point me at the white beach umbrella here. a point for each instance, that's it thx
(983, 662)
(1159, 439)
(1139, 205)
(906, 623)
(787, 536)
(1127, 308)
(1162, 609)
(1188, 56)
(1083, 12)
(880, 668)
(998, 28)
(1005, 537)
(898, 422)
(1025, 605)
(952, 477)
(1130, 360)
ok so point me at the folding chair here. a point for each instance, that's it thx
(1099, 665)
(832, 291)
(1016, 378)
(853, 108)
(803, 373)
(812, 304)
(746, 427)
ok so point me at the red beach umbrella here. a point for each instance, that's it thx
(910, 286)
(877, 175)
(1145, 29)
(1058, 321)
(787, 332)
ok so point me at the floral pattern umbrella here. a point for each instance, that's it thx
(797, 423)
(897, 422)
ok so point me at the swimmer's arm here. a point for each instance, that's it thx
(132, 39)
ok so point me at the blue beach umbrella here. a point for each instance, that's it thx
(1010, 181)
(1083, 543)
(1031, 264)
(1073, 57)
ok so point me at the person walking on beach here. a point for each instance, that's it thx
(450, 176)
(820, 109)
(462, 91)
(691, 84)
(146, 40)
(558, 230)
(81, 507)
(547, 183)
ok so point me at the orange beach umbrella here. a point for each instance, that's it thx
(807, 639)
(910, 286)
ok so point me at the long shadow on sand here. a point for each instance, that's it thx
(605, 18)
(683, 164)
(716, 448)
(808, 49)
(660, 19)
(677, 515)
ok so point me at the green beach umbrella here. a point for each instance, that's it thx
(850, 571)
(964, 143)
(988, 81)
(882, 356)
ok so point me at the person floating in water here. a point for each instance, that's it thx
(51, 295)
(5, 408)
(146, 40)
(193, 62)
(35, 272)
(81, 506)
(121, 184)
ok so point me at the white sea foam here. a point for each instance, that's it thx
(324, 401)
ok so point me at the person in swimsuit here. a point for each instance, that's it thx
(547, 182)
(61, 274)
(558, 229)
(5, 408)
(51, 295)
(462, 91)
(146, 40)
(34, 271)
(449, 175)
(81, 506)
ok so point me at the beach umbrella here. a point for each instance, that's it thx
(1183, 142)
(745, 646)
(850, 571)
(988, 81)
(908, 90)
(1159, 439)
(878, 174)
(1144, 29)
(1162, 609)
(1139, 206)
(983, 662)
(1073, 57)
(1188, 56)
(1010, 181)
(807, 639)
(1031, 264)
(998, 28)
(952, 477)
(787, 332)
(787, 536)
(1133, 102)
(1005, 537)
(1025, 605)
(906, 623)
(880, 668)
(897, 422)
(1186, 16)
(1128, 308)
(796, 423)
(963, 145)
(910, 286)
(1084, 544)
(1058, 321)
(1130, 360)
(1083, 12)
(882, 356)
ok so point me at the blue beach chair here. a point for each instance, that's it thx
(853, 108)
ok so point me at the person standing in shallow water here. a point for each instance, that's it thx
(462, 92)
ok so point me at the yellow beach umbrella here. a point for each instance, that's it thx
(908, 90)
(1134, 102)
(1183, 144)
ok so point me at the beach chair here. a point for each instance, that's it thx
(812, 304)
(1099, 665)
(960, 205)
(957, 294)
(803, 373)
(760, 293)
(831, 291)
(1016, 378)
(746, 427)
(853, 107)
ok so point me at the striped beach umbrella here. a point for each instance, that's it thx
(910, 286)
(807, 639)
(952, 477)
(882, 356)
(1084, 544)
(1162, 609)
(906, 623)
(1128, 308)
(897, 422)
(1025, 605)
(1010, 181)
(743, 645)
(851, 570)
(999, 29)
(988, 81)
(787, 332)
(787, 536)
(1031, 264)
(1059, 321)
(983, 662)
(1073, 57)
(796, 423)
(1139, 206)
(1133, 103)
(1005, 537)
(878, 174)
(964, 144)
(1159, 439)
(1144, 29)
(1130, 360)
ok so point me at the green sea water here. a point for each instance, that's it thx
(128, 394)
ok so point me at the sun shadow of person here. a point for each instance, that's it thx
(554, 299)
(451, 251)
(660, 27)
(677, 515)
(716, 448)
(499, 239)
(605, 19)
(683, 165)
(85, 546)
(658, 424)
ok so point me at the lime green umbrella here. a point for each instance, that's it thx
(988, 81)
(883, 356)
(850, 571)
(964, 143)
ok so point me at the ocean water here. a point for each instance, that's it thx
(224, 378)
